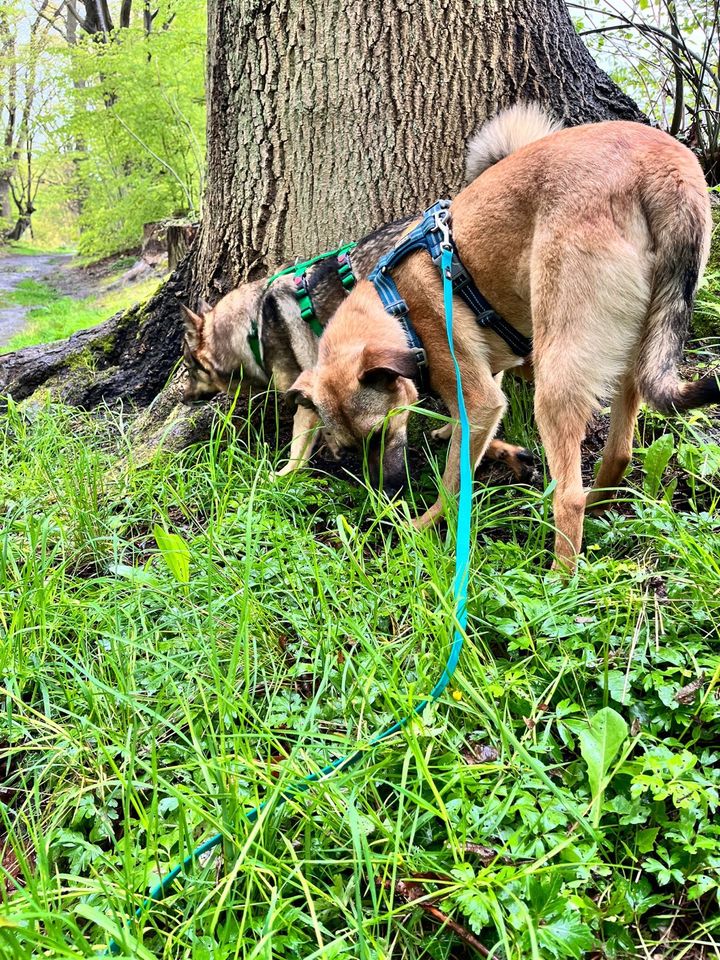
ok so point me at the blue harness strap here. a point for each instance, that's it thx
(434, 235)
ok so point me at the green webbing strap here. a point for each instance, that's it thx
(299, 268)
(307, 311)
(345, 271)
(254, 344)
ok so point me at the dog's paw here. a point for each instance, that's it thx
(522, 463)
(275, 475)
(442, 433)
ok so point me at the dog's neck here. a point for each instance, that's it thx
(349, 331)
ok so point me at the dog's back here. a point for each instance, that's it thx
(594, 237)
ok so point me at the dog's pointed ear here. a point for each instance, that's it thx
(301, 392)
(380, 367)
(204, 307)
(193, 326)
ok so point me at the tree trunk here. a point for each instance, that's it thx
(180, 235)
(5, 196)
(22, 224)
(325, 119)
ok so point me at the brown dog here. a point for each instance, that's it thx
(218, 355)
(590, 240)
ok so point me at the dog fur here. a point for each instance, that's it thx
(218, 357)
(591, 240)
(217, 354)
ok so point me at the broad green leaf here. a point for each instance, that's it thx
(702, 460)
(618, 686)
(646, 839)
(175, 551)
(657, 457)
(600, 742)
(567, 936)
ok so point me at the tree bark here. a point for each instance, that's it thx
(23, 223)
(326, 119)
(180, 235)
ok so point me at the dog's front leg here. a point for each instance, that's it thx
(485, 406)
(304, 437)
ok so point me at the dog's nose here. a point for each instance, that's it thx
(390, 482)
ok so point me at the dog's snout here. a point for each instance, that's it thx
(193, 395)
(393, 486)
(387, 472)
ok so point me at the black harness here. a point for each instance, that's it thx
(434, 235)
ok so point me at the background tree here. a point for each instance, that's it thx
(326, 119)
(132, 107)
(23, 106)
(666, 54)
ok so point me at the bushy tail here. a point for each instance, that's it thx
(678, 214)
(506, 133)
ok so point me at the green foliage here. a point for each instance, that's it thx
(600, 742)
(706, 321)
(655, 460)
(114, 122)
(175, 553)
(664, 54)
(183, 640)
(138, 112)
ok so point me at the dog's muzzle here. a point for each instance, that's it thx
(191, 398)
(387, 474)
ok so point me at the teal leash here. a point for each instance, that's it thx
(460, 589)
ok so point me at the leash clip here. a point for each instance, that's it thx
(420, 359)
(441, 220)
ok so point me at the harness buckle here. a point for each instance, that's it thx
(420, 359)
(396, 309)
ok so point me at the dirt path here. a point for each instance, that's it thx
(13, 269)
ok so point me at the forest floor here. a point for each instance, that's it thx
(16, 269)
(185, 639)
(48, 296)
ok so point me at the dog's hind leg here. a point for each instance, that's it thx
(485, 404)
(618, 448)
(590, 291)
(304, 438)
(562, 423)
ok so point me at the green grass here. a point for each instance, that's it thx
(145, 710)
(53, 316)
(21, 247)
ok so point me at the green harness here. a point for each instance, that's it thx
(302, 294)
